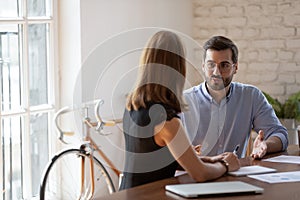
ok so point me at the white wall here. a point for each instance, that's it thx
(69, 47)
(109, 44)
(101, 19)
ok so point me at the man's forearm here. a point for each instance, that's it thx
(274, 144)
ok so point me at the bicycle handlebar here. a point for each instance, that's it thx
(60, 131)
(99, 124)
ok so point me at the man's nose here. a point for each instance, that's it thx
(217, 70)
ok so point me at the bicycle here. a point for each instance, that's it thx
(74, 173)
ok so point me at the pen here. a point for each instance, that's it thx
(236, 149)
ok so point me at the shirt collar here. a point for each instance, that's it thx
(229, 93)
(205, 92)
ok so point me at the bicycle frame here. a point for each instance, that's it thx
(88, 142)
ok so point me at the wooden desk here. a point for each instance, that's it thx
(280, 191)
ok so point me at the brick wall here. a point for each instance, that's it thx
(267, 33)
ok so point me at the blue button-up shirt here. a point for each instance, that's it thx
(220, 127)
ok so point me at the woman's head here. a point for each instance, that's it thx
(162, 72)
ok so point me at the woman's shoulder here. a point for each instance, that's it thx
(155, 112)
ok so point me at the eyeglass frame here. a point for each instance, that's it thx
(221, 69)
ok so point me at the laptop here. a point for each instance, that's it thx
(193, 190)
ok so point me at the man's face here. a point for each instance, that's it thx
(218, 68)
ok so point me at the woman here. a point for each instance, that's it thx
(155, 140)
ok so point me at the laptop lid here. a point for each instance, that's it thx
(213, 188)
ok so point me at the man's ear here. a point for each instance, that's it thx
(236, 66)
(203, 67)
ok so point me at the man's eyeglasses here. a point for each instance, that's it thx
(224, 67)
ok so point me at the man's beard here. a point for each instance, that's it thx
(224, 82)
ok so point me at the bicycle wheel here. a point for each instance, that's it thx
(62, 179)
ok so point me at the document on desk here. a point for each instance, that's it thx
(281, 177)
(284, 159)
(253, 169)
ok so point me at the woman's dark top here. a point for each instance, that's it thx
(145, 161)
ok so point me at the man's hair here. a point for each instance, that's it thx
(220, 43)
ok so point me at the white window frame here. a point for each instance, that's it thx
(53, 88)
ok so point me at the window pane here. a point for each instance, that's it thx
(37, 41)
(12, 158)
(39, 148)
(38, 8)
(10, 67)
(9, 8)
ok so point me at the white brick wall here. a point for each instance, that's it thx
(267, 33)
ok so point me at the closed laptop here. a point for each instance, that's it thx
(193, 190)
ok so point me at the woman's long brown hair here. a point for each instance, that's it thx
(162, 73)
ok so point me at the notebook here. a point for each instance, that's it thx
(253, 169)
(193, 190)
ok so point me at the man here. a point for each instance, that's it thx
(222, 113)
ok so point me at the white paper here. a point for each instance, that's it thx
(253, 169)
(281, 177)
(284, 159)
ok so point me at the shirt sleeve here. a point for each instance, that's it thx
(265, 119)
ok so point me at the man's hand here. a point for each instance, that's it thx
(259, 146)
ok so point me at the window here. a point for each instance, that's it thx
(27, 94)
